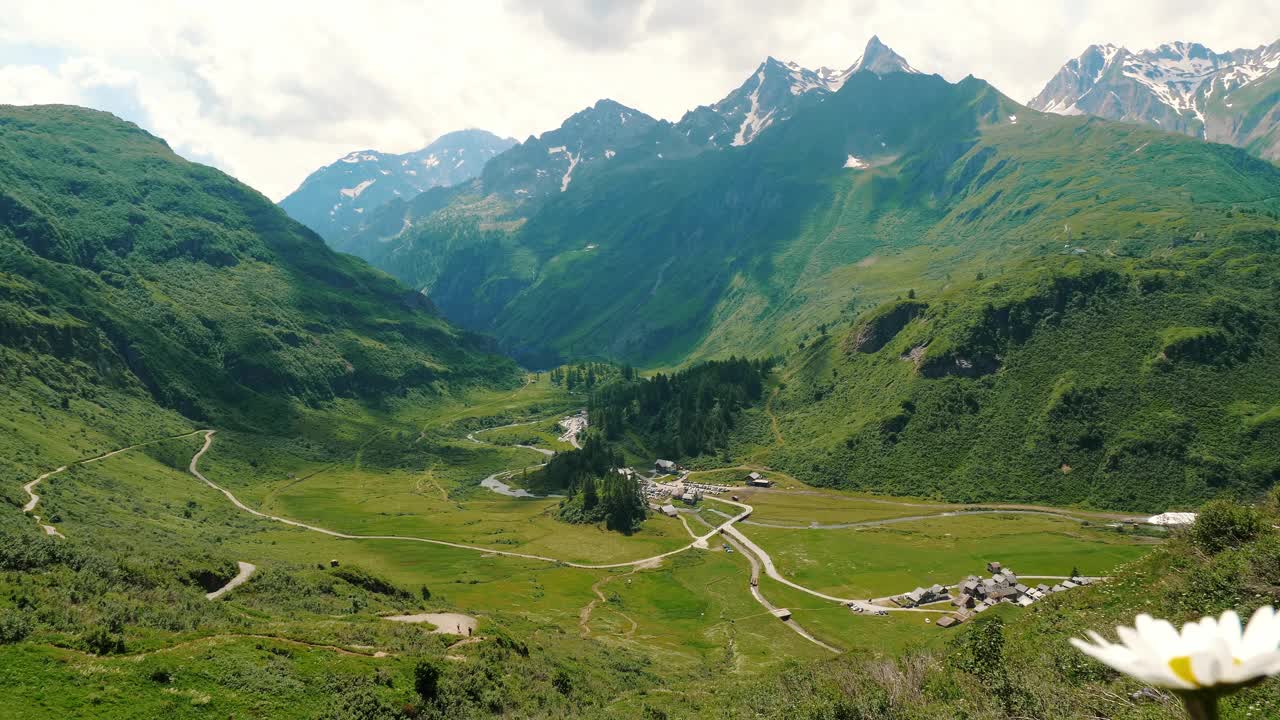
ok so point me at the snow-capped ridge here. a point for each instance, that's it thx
(1178, 86)
(772, 93)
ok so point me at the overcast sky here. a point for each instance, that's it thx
(268, 91)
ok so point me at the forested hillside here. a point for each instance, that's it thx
(126, 269)
(688, 413)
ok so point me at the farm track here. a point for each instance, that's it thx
(30, 488)
(754, 586)
(908, 518)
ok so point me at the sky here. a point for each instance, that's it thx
(270, 90)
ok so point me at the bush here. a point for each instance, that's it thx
(426, 680)
(101, 641)
(1225, 524)
(14, 626)
(362, 578)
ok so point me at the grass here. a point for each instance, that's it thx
(878, 561)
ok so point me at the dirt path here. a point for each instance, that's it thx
(30, 488)
(246, 570)
(773, 419)
(194, 469)
(584, 615)
(904, 519)
(429, 476)
(732, 532)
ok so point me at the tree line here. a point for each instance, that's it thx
(685, 414)
(589, 375)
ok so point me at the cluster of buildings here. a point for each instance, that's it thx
(978, 594)
(680, 489)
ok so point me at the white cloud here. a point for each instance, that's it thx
(271, 90)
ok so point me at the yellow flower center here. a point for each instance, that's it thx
(1181, 666)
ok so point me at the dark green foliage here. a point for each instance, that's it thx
(103, 641)
(426, 680)
(1224, 524)
(587, 375)
(685, 414)
(15, 625)
(597, 492)
(614, 499)
(569, 470)
(364, 579)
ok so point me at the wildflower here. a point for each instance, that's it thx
(1207, 659)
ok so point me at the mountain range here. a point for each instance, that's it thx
(332, 199)
(1231, 97)
(789, 207)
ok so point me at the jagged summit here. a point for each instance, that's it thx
(547, 164)
(771, 94)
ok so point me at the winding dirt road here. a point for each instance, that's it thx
(30, 488)
(754, 586)
(246, 570)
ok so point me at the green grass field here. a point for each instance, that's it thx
(886, 560)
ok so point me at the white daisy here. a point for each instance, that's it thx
(1207, 655)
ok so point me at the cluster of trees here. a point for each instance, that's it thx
(685, 414)
(613, 498)
(597, 492)
(589, 375)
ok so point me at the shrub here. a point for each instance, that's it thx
(14, 626)
(1224, 524)
(426, 680)
(364, 579)
(102, 641)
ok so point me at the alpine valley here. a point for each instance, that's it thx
(749, 413)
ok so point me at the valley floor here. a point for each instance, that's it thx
(414, 509)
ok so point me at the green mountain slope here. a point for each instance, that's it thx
(894, 182)
(124, 268)
(1137, 383)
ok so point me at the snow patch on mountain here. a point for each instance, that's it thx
(753, 123)
(354, 192)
